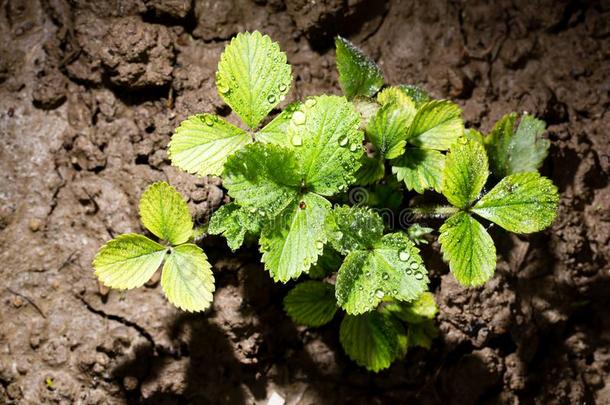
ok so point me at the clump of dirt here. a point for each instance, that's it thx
(90, 93)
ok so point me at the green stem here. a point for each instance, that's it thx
(439, 211)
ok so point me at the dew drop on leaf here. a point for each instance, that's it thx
(353, 147)
(271, 98)
(414, 265)
(394, 291)
(296, 140)
(208, 121)
(385, 276)
(368, 274)
(282, 87)
(343, 141)
(462, 140)
(298, 117)
(419, 275)
(379, 293)
(409, 272)
(310, 102)
(319, 244)
(404, 256)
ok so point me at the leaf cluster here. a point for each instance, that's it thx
(289, 179)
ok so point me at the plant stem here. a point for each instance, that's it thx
(439, 211)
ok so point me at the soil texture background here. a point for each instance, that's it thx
(90, 93)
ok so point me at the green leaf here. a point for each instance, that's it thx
(420, 169)
(515, 149)
(128, 261)
(263, 178)
(164, 212)
(329, 262)
(474, 135)
(276, 131)
(395, 95)
(202, 143)
(417, 94)
(437, 125)
(465, 173)
(372, 169)
(373, 340)
(422, 334)
(392, 268)
(292, 242)
(253, 76)
(234, 223)
(416, 233)
(187, 278)
(311, 303)
(423, 308)
(387, 130)
(468, 248)
(359, 75)
(366, 108)
(520, 203)
(327, 143)
(353, 228)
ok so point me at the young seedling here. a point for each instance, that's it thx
(130, 260)
(291, 180)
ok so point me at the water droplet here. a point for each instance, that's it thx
(360, 288)
(282, 87)
(271, 98)
(296, 140)
(353, 147)
(368, 274)
(414, 265)
(222, 87)
(385, 276)
(409, 272)
(310, 102)
(253, 210)
(419, 275)
(343, 141)
(462, 140)
(319, 244)
(298, 117)
(394, 292)
(209, 121)
(404, 256)
(379, 294)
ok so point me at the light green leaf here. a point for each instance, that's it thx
(515, 149)
(202, 143)
(234, 222)
(311, 303)
(417, 94)
(468, 248)
(359, 75)
(387, 130)
(520, 203)
(437, 125)
(263, 178)
(423, 308)
(353, 228)
(128, 261)
(373, 340)
(366, 107)
(392, 268)
(371, 171)
(292, 242)
(187, 278)
(465, 173)
(276, 131)
(253, 76)
(395, 95)
(474, 135)
(164, 212)
(420, 169)
(327, 143)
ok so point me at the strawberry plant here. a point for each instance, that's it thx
(291, 180)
